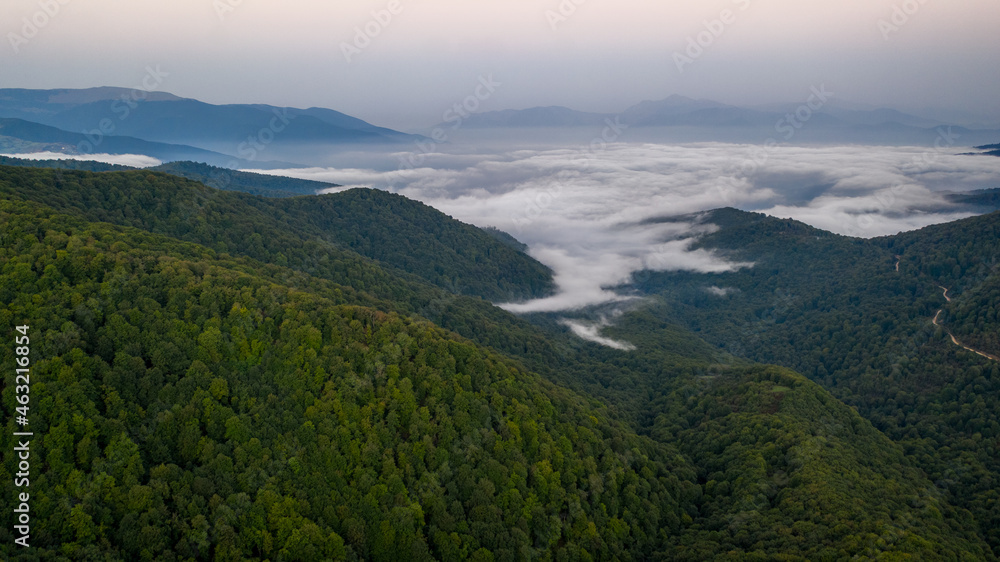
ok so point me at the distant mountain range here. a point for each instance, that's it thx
(825, 120)
(552, 116)
(20, 136)
(171, 128)
(249, 132)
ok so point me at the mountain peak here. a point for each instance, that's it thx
(78, 96)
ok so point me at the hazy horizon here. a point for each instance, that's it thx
(401, 65)
(582, 204)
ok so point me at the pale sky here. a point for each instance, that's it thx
(595, 55)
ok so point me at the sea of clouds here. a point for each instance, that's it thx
(589, 213)
(134, 160)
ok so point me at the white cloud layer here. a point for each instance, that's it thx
(589, 214)
(592, 332)
(134, 160)
(721, 291)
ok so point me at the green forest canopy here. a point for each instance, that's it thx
(199, 393)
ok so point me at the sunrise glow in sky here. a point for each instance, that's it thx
(401, 62)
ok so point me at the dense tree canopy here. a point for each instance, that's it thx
(202, 394)
(838, 310)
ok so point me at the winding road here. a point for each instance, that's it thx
(954, 340)
(946, 297)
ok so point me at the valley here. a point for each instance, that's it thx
(556, 281)
(295, 376)
(955, 341)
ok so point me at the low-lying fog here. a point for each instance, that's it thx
(584, 209)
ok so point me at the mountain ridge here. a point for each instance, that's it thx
(245, 131)
(28, 136)
(261, 404)
(829, 120)
(868, 320)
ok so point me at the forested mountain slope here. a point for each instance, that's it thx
(419, 239)
(212, 176)
(64, 164)
(256, 403)
(247, 182)
(458, 257)
(203, 389)
(285, 426)
(838, 310)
